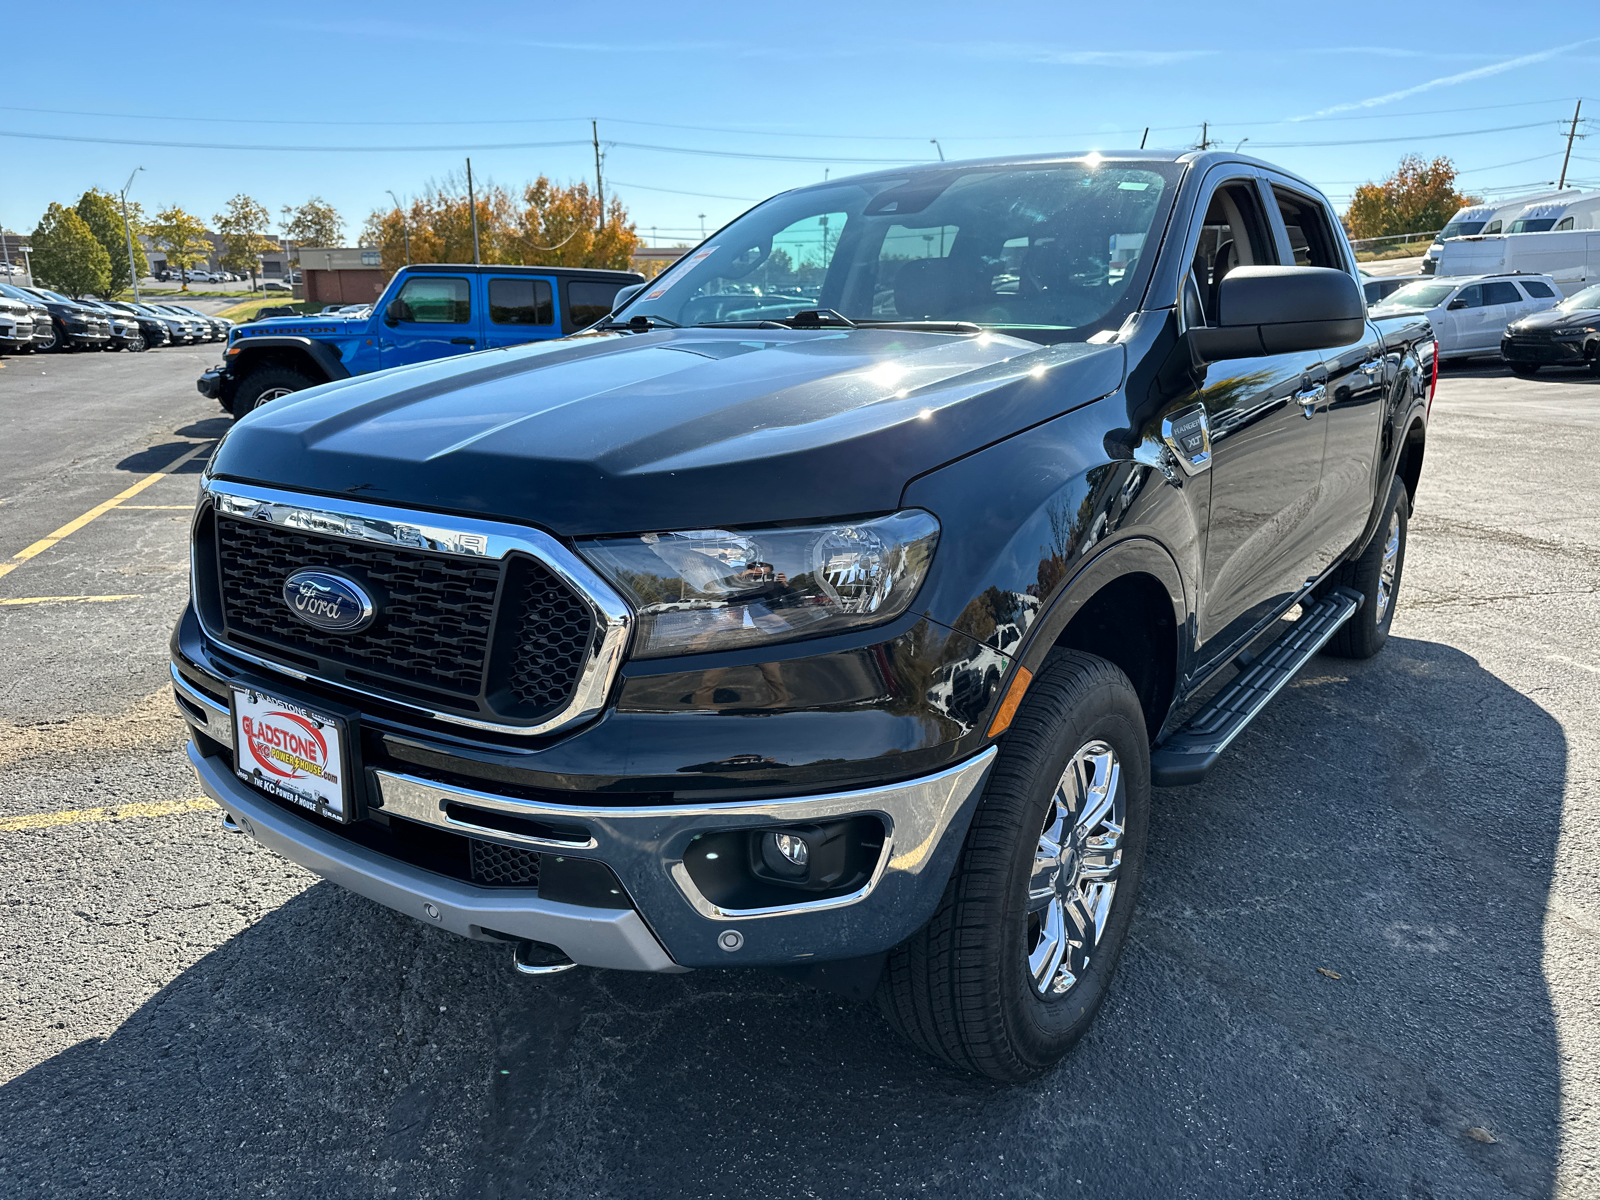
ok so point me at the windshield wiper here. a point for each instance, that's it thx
(640, 324)
(930, 326)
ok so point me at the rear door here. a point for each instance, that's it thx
(587, 301)
(432, 316)
(521, 308)
(1502, 304)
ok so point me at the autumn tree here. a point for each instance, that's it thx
(102, 212)
(1418, 197)
(183, 238)
(66, 255)
(244, 235)
(314, 223)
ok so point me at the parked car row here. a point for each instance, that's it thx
(200, 275)
(1521, 319)
(35, 318)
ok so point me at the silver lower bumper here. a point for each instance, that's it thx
(594, 937)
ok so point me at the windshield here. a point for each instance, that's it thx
(1461, 229)
(17, 293)
(1418, 295)
(49, 295)
(1534, 225)
(1588, 298)
(1052, 252)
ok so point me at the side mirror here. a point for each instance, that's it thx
(1280, 310)
(1458, 302)
(625, 294)
(395, 311)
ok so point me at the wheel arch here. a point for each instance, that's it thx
(316, 359)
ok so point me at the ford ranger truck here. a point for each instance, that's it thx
(834, 604)
(428, 311)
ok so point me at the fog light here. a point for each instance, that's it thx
(792, 848)
(785, 854)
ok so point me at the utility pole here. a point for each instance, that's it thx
(133, 271)
(405, 232)
(1571, 133)
(472, 203)
(599, 181)
(1205, 140)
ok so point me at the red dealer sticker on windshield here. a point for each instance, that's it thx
(289, 751)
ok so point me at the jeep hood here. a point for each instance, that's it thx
(678, 429)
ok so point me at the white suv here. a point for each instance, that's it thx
(1470, 312)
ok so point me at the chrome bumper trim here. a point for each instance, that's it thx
(595, 937)
(925, 821)
(442, 534)
(201, 711)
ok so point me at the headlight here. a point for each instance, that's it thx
(720, 589)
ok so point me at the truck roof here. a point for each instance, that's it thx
(502, 269)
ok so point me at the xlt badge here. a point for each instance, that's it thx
(328, 601)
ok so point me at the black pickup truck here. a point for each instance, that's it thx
(833, 605)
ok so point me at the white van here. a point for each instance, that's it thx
(1485, 220)
(1469, 316)
(1557, 216)
(1571, 258)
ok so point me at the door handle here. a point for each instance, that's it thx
(463, 341)
(1371, 367)
(1309, 398)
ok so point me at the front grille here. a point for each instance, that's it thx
(435, 611)
(436, 637)
(503, 866)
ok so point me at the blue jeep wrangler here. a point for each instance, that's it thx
(430, 310)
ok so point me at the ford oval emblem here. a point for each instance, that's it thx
(327, 601)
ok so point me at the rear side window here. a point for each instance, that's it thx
(1310, 236)
(1539, 291)
(589, 301)
(521, 302)
(1501, 293)
(430, 300)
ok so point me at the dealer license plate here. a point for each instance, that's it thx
(291, 752)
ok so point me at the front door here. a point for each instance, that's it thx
(522, 308)
(432, 317)
(1266, 422)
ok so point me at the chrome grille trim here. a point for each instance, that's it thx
(447, 535)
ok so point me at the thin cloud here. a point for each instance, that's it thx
(1081, 58)
(1484, 72)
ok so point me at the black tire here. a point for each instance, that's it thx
(258, 387)
(1525, 369)
(57, 343)
(962, 988)
(1365, 633)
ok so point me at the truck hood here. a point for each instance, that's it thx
(1552, 318)
(678, 429)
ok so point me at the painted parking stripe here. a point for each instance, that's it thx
(99, 510)
(67, 599)
(120, 812)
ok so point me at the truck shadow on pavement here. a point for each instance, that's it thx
(1391, 822)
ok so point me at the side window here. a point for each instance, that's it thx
(1310, 236)
(1565, 223)
(589, 301)
(430, 300)
(521, 302)
(1492, 227)
(1500, 292)
(1234, 234)
(1472, 295)
(1539, 291)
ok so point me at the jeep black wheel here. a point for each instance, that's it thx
(266, 385)
(1018, 957)
(1376, 575)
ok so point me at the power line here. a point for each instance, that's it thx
(1414, 137)
(644, 187)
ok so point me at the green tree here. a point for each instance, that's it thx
(183, 237)
(1418, 197)
(102, 212)
(314, 223)
(66, 255)
(244, 235)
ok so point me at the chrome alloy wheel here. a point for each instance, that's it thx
(1391, 562)
(1075, 869)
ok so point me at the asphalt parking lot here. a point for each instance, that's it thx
(184, 1015)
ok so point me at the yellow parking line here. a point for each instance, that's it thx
(160, 507)
(120, 812)
(71, 527)
(67, 599)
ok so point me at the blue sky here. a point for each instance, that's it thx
(689, 96)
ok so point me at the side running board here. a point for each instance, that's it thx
(1193, 750)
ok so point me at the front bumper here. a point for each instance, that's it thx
(672, 923)
(1550, 351)
(209, 384)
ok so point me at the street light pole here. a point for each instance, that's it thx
(133, 271)
(404, 232)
